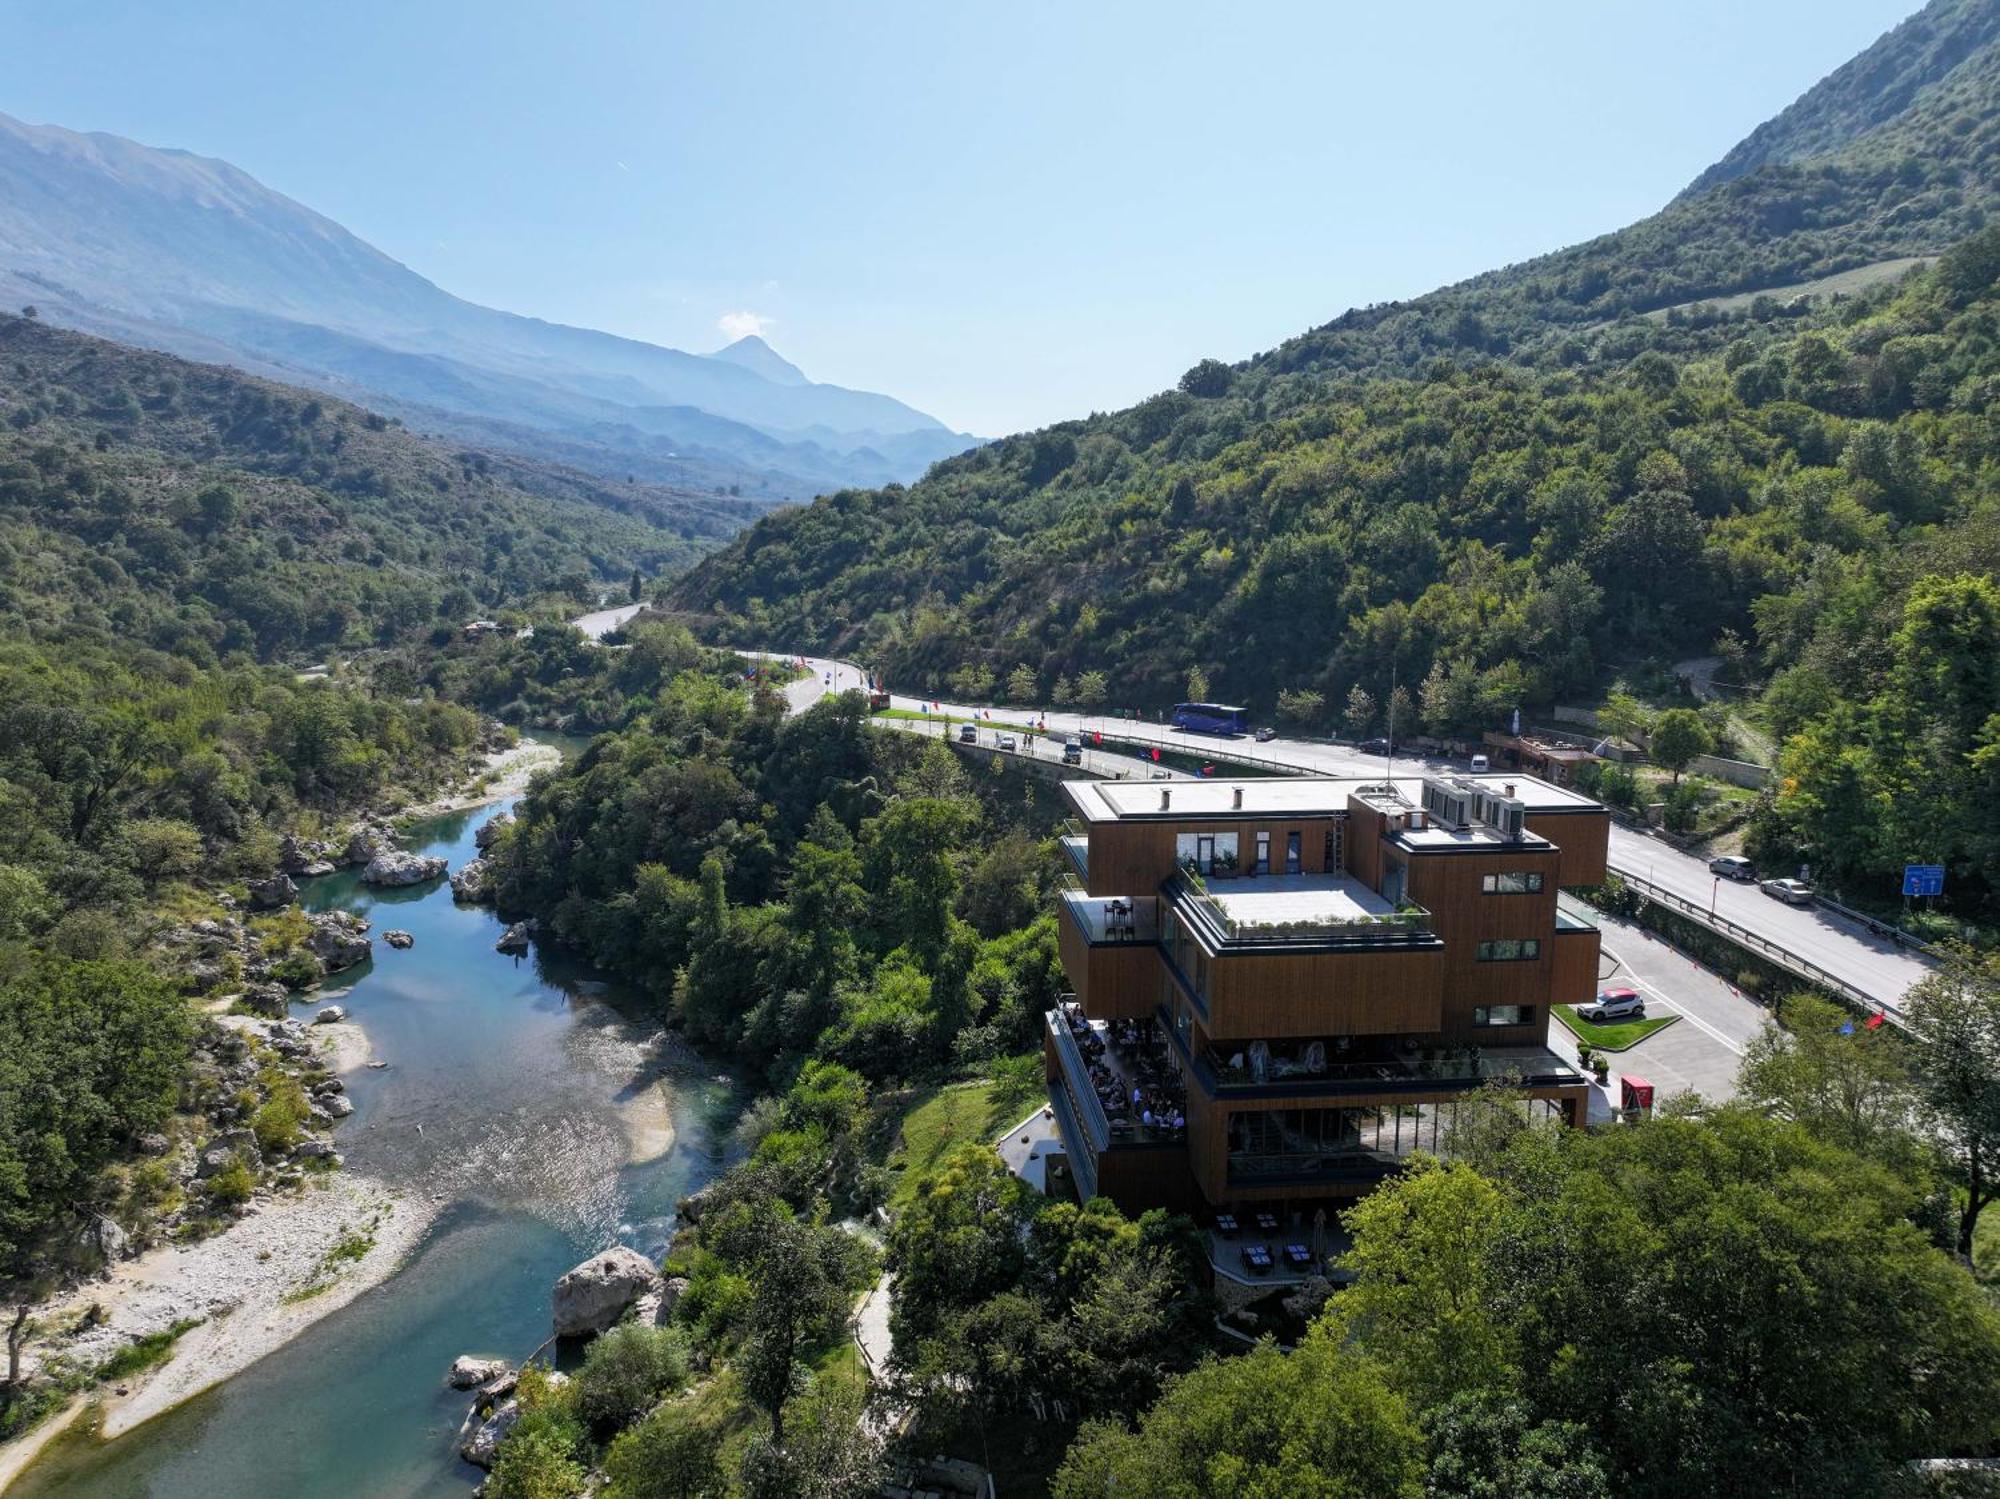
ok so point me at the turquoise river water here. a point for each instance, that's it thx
(509, 1102)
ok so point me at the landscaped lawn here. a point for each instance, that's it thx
(949, 1116)
(1619, 1035)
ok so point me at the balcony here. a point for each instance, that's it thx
(1320, 1068)
(1572, 915)
(1079, 1101)
(1125, 1076)
(1104, 919)
(1076, 847)
(1295, 910)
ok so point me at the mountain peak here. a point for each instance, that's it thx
(753, 354)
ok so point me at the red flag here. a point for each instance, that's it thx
(1873, 1022)
(1156, 752)
(1097, 736)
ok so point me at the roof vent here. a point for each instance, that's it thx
(1239, 797)
(1510, 789)
(1166, 798)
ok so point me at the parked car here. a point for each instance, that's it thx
(968, 734)
(1614, 1004)
(1732, 867)
(1266, 735)
(1007, 742)
(1161, 775)
(1480, 765)
(1374, 746)
(1791, 892)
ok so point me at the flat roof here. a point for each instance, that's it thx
(1213, 798)
(1281, 899)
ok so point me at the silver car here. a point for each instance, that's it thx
(1791, 892)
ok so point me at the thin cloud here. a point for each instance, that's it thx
(742, 324)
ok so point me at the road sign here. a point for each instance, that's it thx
(1923, 879)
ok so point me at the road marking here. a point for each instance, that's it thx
(1679, 1009)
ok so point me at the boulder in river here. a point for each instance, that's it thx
(339, 940)
(490, 831)
(472, 883)
(469, 1373)
(515, 938)
(594, 1295)
(483, 1445)
(330, 1015)
(269, 895)
(399, 939)
(336, 1105)
(364, 843)
(397, 868)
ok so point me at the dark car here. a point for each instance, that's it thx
(1375, 747)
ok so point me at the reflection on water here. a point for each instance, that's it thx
(501, 1102)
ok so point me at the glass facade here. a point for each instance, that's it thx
(1283, 1145)
(1510, 950)
(1519, 882)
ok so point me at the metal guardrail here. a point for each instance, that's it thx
(1764, 947)
(1880, 927)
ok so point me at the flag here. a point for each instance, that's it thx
(1874, 1022)
(1208, 770)
(1155, 752)
(1847, 1027)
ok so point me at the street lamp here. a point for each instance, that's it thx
(1713, 890)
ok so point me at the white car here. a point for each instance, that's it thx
(1614, 1004)
(1007, 742)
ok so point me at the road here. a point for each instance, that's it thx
(1871, 965)
(601, 623)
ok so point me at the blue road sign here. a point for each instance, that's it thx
(1923, 879)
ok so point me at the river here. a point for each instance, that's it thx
(517, 1096)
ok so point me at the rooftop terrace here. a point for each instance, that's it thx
(1283, 796)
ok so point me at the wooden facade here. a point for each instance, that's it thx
(1574, 979)
(1112, 980)
(1135, 857)
(1583, 835)
(1365, 991)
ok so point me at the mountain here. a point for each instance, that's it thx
(753, 354)
(149, 503)
(184, 253)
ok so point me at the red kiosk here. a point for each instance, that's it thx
(1635, 1097)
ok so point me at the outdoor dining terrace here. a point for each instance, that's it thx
(1134, 1086)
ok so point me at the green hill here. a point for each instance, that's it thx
(1502, 494)
(201, 511)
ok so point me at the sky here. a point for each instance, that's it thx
(1005, 214)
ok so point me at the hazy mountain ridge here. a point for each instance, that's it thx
(188, 253)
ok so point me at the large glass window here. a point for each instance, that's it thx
(1503, 1014)
(1292, 855)
(1263, 864)
(1510, 950)
(1518, 882)
(1207, 853)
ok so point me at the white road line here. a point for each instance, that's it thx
(1679, 1009)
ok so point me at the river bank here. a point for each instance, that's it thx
(527, 1113)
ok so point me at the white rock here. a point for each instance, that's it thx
(594, 1295)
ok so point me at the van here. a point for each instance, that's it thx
(1072, 751)
(1480, 765)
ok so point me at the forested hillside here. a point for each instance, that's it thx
(204, 512)
(1787, 481)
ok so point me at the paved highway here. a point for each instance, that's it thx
(1871, 965)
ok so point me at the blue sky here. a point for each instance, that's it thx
(1006, 214)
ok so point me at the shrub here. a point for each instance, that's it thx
(627, 1371)
(672, 1454)
(297, 970)
(233, 1184)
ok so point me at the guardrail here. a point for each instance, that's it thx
(1764, 947)
(1880, 927)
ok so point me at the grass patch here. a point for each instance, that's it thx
(352, 1245)
(1620, 1035)
(938, 1120)
(143, 1353)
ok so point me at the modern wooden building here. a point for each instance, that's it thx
(1283, 987)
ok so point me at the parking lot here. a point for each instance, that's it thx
(1702, 1050)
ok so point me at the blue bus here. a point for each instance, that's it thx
(1211, 718)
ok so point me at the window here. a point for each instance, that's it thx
(1263, 865)
(1510, 950)
(1206, 853)
(1503, 1014)
(1517, 883)
(1292, 853)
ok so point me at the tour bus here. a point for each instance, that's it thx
(1211, 718)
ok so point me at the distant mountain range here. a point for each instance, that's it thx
(184, 253)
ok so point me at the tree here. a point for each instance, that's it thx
(1954, 1022)
(1022, 685)
(1491, 1447)
(1319, 1422)
(960, 1240)
(1208, 379)
(626, 1372)
(637, 588)
(1848, 1084)
(1091, 690)
(1624, 717)
(1679, 738)
(1197, 685)
(1301, 708)
(1359, 716)
(1402, 713)
(798, 1300)
(673, 1454)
